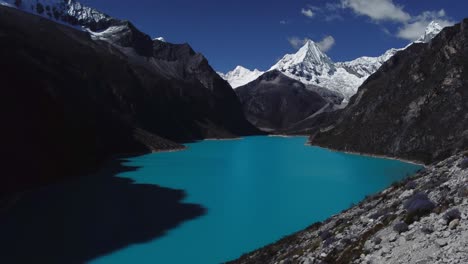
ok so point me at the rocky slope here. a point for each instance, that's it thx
(413, 107)
(274, 101)
(421, 220)
(72, 98)
(240, 76)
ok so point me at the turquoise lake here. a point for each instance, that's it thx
(255, 190)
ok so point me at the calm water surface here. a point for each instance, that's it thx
(256, 190)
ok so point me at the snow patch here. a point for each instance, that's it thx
(240, 76)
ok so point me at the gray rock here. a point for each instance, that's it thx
(453, 224)
(385, 250)
(446, 234)
(441, 242)
(392, 237)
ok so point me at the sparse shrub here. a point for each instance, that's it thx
(400, 227)
(452, 214)
(463, 191)
(411, 185)
(346, 241)
(379, 213)
(377, 240)
(417, 206)
(325, 234)
(314, 226)
(464, 163)
(329, 241)
(419, 203)
(397, 184)
(427, 229)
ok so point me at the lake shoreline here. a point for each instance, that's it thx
(370, 155)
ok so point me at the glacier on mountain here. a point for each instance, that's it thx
(240, 76)
(311, 66)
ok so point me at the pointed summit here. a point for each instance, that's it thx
(431, 31)
(309, 55)
(312, 53)
(309, 65)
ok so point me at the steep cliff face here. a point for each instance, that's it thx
(72, 99)
(413, 107)
(275, 102)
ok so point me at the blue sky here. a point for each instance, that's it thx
(256, 34)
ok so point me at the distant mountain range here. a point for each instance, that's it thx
(310, 65)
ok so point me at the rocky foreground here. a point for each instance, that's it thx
(422, 219)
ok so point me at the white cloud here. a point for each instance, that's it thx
(297, 42)
(377, 10)
(283, 22)
(333, 6)
(412, 27)
(326, 43)
(307, 12)
(333, 17)
(417, 25)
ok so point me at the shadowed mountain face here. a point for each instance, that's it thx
(413, 107)
(85, 218)
(70, 100)
(275, 101)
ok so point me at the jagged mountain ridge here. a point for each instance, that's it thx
(310, 65)
(313, 67)
(70, 12)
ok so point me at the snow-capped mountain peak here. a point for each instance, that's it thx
(431, 31)
(240, 76)
(312, 66)
(64, 11)
(308, 55)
